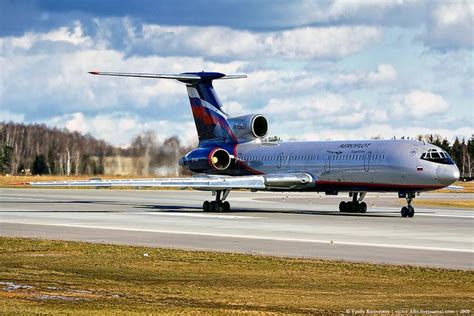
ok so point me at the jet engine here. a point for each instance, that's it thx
(207, 159)
(249, 127)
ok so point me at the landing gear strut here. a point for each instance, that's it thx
(408, 211)
(354, 206)
(219, 205)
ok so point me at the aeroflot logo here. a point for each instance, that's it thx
(363, 145)
(240, 126)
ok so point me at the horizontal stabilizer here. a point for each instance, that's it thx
(192, 76)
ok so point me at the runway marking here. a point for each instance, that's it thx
(446, 215)
(201, 215)
(315, 241)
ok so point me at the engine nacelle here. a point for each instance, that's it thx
(249, 127)
(205, 159)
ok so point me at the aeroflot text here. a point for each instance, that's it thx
(364, 145)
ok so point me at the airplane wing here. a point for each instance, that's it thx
(257, 182)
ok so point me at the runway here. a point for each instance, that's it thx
(295, 225)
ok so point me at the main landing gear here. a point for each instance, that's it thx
(354, 206)
(219, 205)
(408, 211)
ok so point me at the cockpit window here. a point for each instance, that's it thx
(437, 156)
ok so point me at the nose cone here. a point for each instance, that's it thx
(447, 175)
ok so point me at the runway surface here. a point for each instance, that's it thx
(296, 224)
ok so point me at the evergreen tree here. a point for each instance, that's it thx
(39, 166)
(5, 158)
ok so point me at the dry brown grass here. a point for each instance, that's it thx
(82, 278)
(445, 203)
(12, 181)
(20, 181)
(468, 187)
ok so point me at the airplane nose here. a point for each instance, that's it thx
(447, 175)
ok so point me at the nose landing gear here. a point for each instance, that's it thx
(354, 206)
(408, 211)
(219, 205)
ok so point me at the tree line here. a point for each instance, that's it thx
(39, 149)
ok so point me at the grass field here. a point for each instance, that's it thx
(40, 276)
(445, 203)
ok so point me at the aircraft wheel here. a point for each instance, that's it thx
(213, 207)
(342, 206)
(206, 206)
(351, 207)
(226, 207)
(363, 207)
(404, 211)
(411, 211)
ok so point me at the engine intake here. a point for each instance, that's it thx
(249, 127)
(219, 159)
(207, 160)
(259, 126)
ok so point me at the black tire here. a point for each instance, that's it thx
(363, 207)
(411, 211)
(226, 207)
(350, 207)
(205, 206)
(404, 211)
(342, 206)
(213, 207)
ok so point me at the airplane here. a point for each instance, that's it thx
(232, 154)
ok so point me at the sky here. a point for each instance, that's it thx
(318, 70)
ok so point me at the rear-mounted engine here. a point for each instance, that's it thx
(207, 159)
(249, 127)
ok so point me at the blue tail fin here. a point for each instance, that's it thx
(211, 121)
(210, 118)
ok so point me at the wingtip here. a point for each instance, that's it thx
(94, 72)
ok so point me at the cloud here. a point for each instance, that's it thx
(385, 131)
(419, 105)
(382, 75)
(337, 78)
(119, 128)
(451, 26)
(331, 112)
(222, 42)
(325, 110)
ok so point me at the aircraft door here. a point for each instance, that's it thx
(280, 160)
(327, 163)
(367, 157)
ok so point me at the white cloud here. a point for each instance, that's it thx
(328, 110)
(73, 35)
(305, 43)
(387, 12)
(384, 74)
(385, 131)
(119, 128)
(451, 26)
(41, 81)
(419, 104)
(447, 25)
